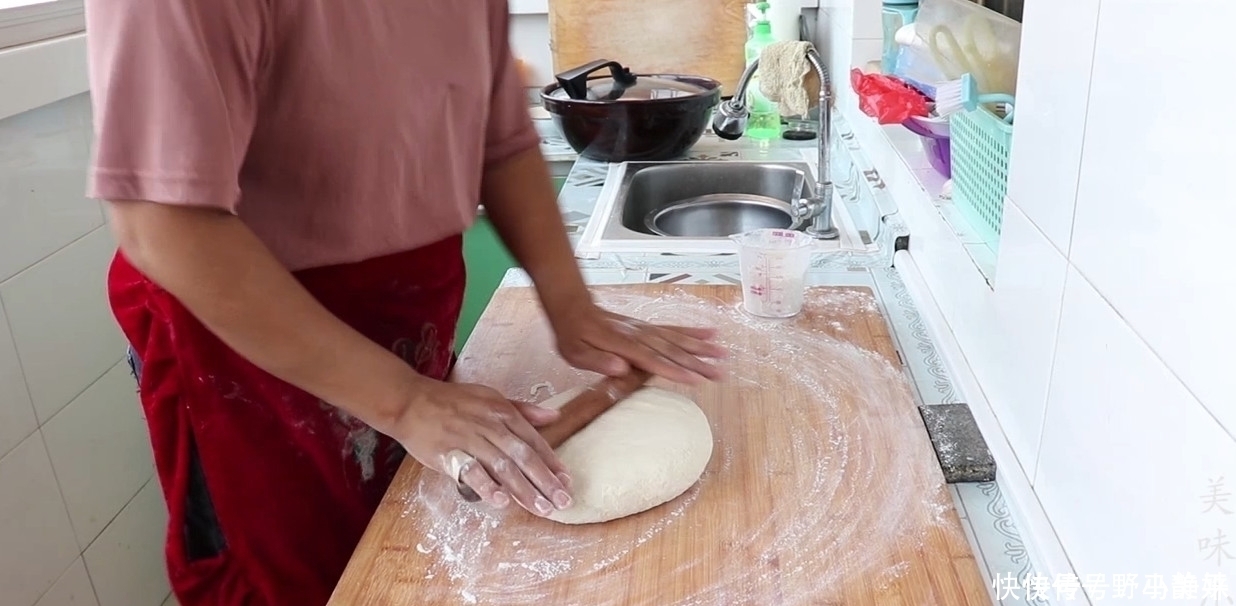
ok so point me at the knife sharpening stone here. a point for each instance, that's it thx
(959, 445)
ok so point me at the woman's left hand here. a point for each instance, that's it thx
(591, 338)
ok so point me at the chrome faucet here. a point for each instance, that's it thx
(730, 121)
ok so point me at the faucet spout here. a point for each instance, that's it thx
(730, 121)
(822, 224)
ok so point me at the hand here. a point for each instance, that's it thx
(512, 459)
(591, 338)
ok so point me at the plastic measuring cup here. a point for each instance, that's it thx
(773, 266)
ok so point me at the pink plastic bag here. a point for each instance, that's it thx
(888, 100)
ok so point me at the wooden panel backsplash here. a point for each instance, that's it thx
(697, 37)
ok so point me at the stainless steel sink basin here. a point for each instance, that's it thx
(719, 215)
(705, 199)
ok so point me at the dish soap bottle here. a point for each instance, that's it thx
(894, 15)
(765, 120)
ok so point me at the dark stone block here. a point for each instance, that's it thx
(960, 447)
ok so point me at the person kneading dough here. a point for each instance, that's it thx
(289, 182)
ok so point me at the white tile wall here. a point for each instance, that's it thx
(1155, 206)
(868, 35)
(1047, 143)
(1128, 454)
(530, 43)
(1104, 345)
(100, 450)
(868, 23)
(835, 48)
(1025, 310)
(74, 452)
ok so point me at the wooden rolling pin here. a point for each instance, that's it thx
(587, 406)
(582, 410)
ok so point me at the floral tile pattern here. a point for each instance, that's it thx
(996, 537)
(553, 146)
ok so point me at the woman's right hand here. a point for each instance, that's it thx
(512, 460)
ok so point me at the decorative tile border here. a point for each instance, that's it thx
(1000, 545)
(553, 146)
(925, 366)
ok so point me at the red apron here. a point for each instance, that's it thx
(269, 489)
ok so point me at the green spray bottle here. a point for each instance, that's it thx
(765, 119)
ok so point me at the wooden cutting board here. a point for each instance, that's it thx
(823, 487)
(696, 37)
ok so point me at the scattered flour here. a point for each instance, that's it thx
(848, 508)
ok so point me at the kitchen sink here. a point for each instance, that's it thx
(693, 206)
(705, 199)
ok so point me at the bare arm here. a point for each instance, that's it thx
(243, 294)
(174, 117)
(250, 301)
(520, 200)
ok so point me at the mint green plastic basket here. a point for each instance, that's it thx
(979, 154)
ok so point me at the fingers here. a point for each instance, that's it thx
(531, 438)
(680, 355)
(534, 462)
(661, 351)
(695, 332)
(537, 416)
(488, 443)
(636, 348)
(509, 470)
(696, 341)
(478, 479)
(537, 464)
(514, 462)
(693, 340)
(585, 357)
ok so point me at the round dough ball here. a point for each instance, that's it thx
(643, 452)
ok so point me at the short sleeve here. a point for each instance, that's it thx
(510, 130)
(173, 87)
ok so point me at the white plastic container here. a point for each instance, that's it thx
(784, 17)
(773, 267)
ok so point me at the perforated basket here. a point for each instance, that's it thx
(979, 156)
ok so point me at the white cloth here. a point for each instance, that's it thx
(783, 67)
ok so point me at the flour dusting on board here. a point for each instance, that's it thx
(855, 466)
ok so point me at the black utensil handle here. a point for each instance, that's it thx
(575, 81)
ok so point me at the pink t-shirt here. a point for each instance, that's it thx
(338, 130)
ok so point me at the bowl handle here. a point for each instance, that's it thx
(575, 81)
